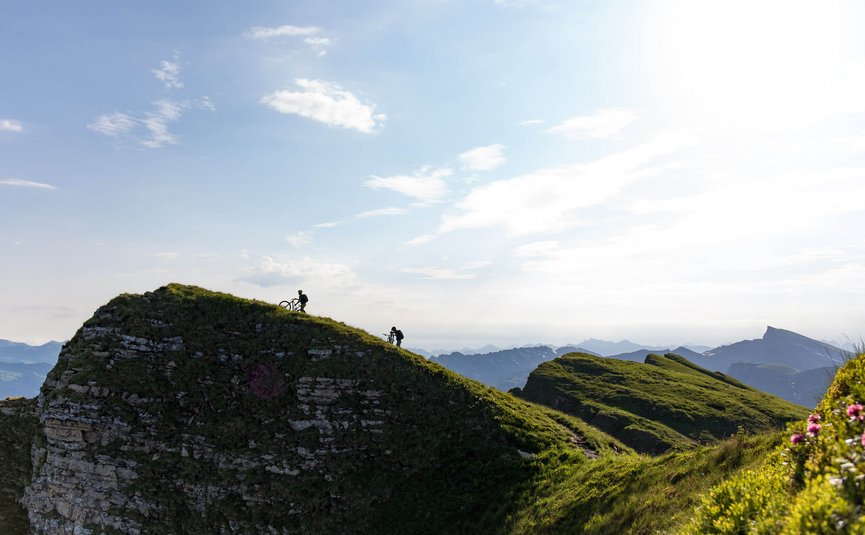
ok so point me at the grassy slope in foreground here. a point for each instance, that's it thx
(812, 484)
(448, 458)
(634, 494)
(666, 403)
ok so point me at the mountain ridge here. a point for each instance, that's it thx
(665, 403)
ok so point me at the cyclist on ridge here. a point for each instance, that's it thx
(397, 335)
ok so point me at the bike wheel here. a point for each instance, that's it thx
(285, 304)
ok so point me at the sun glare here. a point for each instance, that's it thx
(753, 61)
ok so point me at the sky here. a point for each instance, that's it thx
(474, 172)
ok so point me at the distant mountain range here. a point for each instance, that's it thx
(23, 367)
(18, 352)
(778, 346)
(804, 388)
(503, 369)
(784, 363)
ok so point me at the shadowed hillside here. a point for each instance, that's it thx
(662, 404)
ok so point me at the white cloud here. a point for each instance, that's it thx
(156, 123)
(516, 3)
(25, 183)
(539, 248)
(420, 240)
(382, 212)
(206, 104)
(167, 255)
(483, 158)
(327, 103)
(551, 199)
(311, 35)
(328, 224)
(530, 122)
(263, 32)
(466, 272)
(169, 73)
(10, 125)
(113, 124)
(850, 144)
(210, 257)
(150, 129)
(319, 44)
(603, 124)
(272, 273)
(296, 239)
(426, 184)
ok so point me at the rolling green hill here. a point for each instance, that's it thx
(666, 403)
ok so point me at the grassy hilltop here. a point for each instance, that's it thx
(667, 403)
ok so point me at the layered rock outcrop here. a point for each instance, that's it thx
(187, 411)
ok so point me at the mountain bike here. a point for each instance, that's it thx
(293, 304)
(389, 337)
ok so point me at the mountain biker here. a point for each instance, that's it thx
(397, 334)
(303, 300)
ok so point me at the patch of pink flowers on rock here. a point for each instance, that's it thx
(856, 412)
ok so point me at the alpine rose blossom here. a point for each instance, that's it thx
(814, 429)
(796, 438)
(856, 412)
(863, 440)
(814, 418)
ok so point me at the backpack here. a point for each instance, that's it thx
(304, 299)
(399, 335)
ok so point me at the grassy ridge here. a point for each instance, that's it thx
(665, 404)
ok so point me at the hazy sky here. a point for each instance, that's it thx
(475, 171)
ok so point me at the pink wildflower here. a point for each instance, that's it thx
(796, 438)
(814, 429)
(814, 418)
(863, 440)
(856, 412)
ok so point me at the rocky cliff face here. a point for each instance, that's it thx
(186, 411)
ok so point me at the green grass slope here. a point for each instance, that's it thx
(635, 494)
(452, 456)
(813, 483)
(17, 429)
(664, 404)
